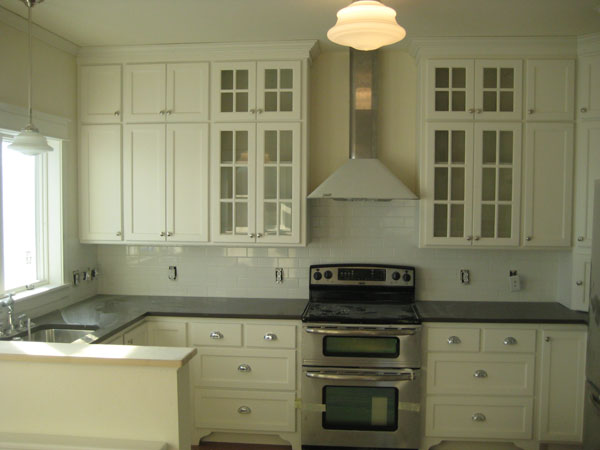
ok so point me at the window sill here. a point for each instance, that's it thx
(41, 290)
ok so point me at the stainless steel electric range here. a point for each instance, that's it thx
(361, 349)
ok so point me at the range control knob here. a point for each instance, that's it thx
(328, 274)
(406, 277)
(317, 276)
(395, 276)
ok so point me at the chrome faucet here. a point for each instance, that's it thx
(9, 303)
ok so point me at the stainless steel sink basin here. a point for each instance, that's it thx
(59, 333)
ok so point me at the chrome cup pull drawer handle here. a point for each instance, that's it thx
(216, 335)
(270, 337)
(244, 368)
(244, 410)
(510, 341)
(478, 417)
(454, 340)
(480, 374)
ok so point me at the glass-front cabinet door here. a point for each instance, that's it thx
(233, 156)
(278, 90)
(278, 183)
(234, 91)
(498, 89)
(450, 89)
(450, 184)
(497, 184)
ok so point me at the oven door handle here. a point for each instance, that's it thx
(361, 332)
(408, 376)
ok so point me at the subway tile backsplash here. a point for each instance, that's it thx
(356, 232)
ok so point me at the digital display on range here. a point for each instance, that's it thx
(361, 274)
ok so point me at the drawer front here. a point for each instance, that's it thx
(254, 369)
(270, 336)
(508, 340)
(238, 410)
(480, 374)
(479, 417)
(453, 339)
(215, 334)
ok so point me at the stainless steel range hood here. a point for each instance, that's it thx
(363, 176)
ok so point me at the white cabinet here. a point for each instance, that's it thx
(580, 281)
(165, 333)
(175, 92)
(587, 170)
(473, 184)
(136, 336)
(166, 182)
(562, 381)
(588, 87)
(100, 213)
(477, 89)
(548, 185)
(100, 94)
(256, 183)
(264, 91)
(550, 89)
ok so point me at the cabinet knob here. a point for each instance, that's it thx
(162, 233)
(162, 113)
(510, 341)
(528, 238)
(245, 368)
(480, 374)
(580, 238)
(478, 417)
(260, 111)
(477, 238)
(454, 340)
(530, 111)
(216, 335)
(469, 238)
(547, 339)
(253, 111)
(583, 110)
(579, 283)
(169, 233)
(117, 113)
(259, 235)
(270, 337)
(471, 110)
(169, 112)
(251, 235)
(244, 410)
(118, 233)
(479, 110)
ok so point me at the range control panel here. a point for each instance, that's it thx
(362, 275)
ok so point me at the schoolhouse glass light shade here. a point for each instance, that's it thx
(30, 142)
(366, 25)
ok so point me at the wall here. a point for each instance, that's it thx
(55, 91)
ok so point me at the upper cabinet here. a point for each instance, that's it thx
(100, 94)
(587, 170)
(474, 89)
(550, 89)
(588, 87)
(166, 92)
(249, 91)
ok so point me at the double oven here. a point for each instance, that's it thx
(361, 348)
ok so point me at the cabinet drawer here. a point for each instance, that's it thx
(453, 339)
(215, 334)
(508, 340)
(255, 369)
(480, 374)
(479, 417)
(270, 336)
(238, 410)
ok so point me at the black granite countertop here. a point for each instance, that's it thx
(508, 312)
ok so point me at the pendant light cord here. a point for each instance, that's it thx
(29, 6)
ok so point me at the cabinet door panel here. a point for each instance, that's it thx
(145, 92)
(586, 172)
(144, 182)
(167, 334)
(589, 87)
(100, 183)
(278, 183)
(100, 94)
(550, 89)
(548, 180)
(234, 91)
(450, 89)
(187, 92)
(498, 89)
(137, 336)
(497, 184)
(278, 90)
(580, 281)
(187, 182)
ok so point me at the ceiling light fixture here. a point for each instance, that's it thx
(366, 25)
(29, 141)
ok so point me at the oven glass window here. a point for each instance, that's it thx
(366, 347)
(360, 408)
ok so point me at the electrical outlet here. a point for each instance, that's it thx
(76, 278)
(172, 273)
(465, 276)
(279, 275)
(514, 281)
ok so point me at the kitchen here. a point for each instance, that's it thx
(367, 232)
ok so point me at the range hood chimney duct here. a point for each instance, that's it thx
(363, 176)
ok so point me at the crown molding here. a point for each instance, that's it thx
(15, 117)
(588, 44)
(305, 49)
(19, 23)
(482, 47)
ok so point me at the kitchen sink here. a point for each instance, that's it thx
(59, 333)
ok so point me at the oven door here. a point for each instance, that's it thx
(362, 346)
(375, 408)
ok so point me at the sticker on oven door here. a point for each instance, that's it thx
(409, 406)
(314, 407)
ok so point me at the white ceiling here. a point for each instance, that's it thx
(114, 22)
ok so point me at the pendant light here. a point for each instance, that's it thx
(29, 141)
(366, 25)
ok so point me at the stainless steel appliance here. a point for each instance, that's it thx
(361, 349)
(591, 425)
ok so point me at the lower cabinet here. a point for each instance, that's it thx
(522, 383)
